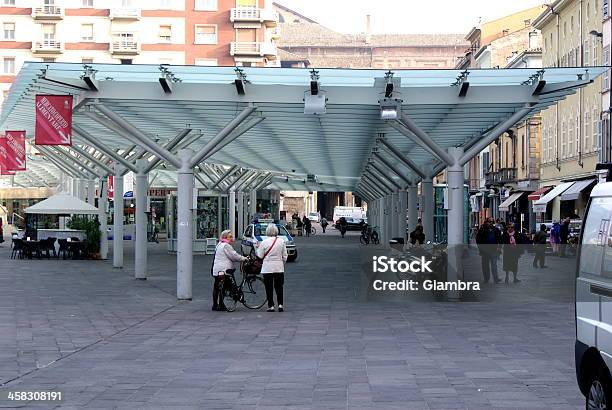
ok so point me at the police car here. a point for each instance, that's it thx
(256, 233)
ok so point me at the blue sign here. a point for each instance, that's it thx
(129, 194)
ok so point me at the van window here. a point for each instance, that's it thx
(596, 238)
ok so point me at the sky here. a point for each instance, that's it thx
(406, 16)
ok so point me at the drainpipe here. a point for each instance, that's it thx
(552, 10)
(580, 91)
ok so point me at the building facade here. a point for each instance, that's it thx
(325, 48)
(181, 32)
(503, 174)
(571, 130)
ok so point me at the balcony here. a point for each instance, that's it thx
(254, 15)
(257, 49)
(48, 13)
(123, 13)
(276, 33)
(501, 177)
(47, 47)
(125, 47)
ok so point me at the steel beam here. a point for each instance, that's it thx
(224, 176)
(138, 135)
(218, 139)
(420, 137)
(383, 175)
(92, 159)
(392, 168)
(94, 142)
(171, 145)
(405, 160)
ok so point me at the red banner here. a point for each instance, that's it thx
(111, 187)
(3, 155)
(53, 120)
(15, 150)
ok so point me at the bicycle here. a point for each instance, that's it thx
(313, 231)
(369, 235)
(251, 291)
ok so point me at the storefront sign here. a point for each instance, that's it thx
(53, 120)
(15, 150)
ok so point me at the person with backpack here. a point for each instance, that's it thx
(224, 259)
(274, 254)
(324, 224)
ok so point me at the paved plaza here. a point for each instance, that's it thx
(108, 341)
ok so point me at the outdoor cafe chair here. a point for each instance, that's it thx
(63, 247)
(17, 248)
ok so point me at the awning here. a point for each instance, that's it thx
(62, 204)
(540, 204)
(505, 206)
(576, 189)
(534, 196)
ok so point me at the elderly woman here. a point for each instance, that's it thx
(225, 257)
(274, 254)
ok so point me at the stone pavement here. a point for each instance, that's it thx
(108, 341)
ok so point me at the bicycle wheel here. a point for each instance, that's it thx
(313, 231)
(254, 292)
(375, 239)
(230, 296)
(364, 240)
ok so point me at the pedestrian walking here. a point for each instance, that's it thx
(274, 254)
(417, 237)
(554, 237)
(512, 247)
(342, 225)
(307, 225)
(563, 236)
(488, 240)
(324, 224)
(539, 242)
(223, 263)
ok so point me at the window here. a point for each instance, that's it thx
(126, 61)
(8, 65)
(48, 31)
(87, 32)
(563, 139)
(605, 83)
(206, 5)
(578, 149)
(9, 31)
(564, 29)
(544, 145)
(595, 43)
(572, 24)
(8, 3)
(165, 33)
(596, 131)
(570, 142)
(87, 60)
(587, 131)
(587, 53)
(205, 34)
(87, 3)
(206, 61)
(48, 59)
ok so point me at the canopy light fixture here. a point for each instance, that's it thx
(241, 81)
(315, 104)
(314, 82)
(390, 109)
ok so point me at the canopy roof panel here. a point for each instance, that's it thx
(335, 146)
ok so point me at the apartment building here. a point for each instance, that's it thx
(502, 175)
(606, 101)
(571, 130)
(200, 32)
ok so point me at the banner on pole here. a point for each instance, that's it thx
(53, 120)
(15, 150)
(3, 169)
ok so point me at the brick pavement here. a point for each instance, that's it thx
(108, 341)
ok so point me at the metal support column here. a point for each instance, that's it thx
(232, 212)
(412, 199)
(103, 216)
(427, 208)
(252, 204)
(395, 214)
(140, 245)
(184, 254)
(455, 219)
(118, 217)
(240, 198)
(91, 192)
(403, 206)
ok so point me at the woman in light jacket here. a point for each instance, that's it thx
(225, 256)
(274, 254)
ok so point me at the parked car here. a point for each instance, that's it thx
(314, 217)
(593, 348)
(352, 224)
(256, 232)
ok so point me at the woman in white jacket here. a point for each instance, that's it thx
(225, 257)
(274, 254)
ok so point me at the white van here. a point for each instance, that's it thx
(593, 347)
